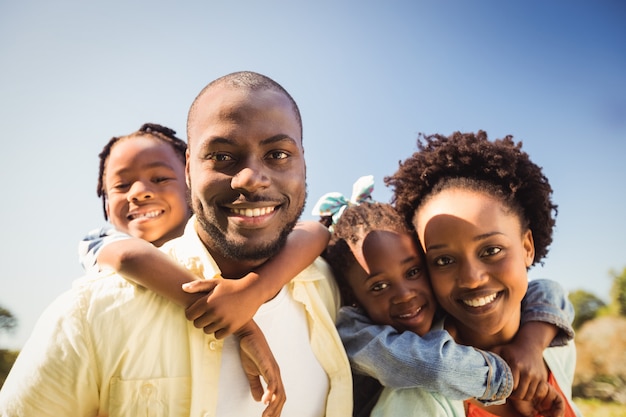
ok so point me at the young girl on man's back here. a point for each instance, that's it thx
(144, 195)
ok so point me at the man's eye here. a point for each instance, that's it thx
(278, 155)
(220, 157)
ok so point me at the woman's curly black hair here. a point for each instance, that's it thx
(351, 228)
(163, 133)
(499, 167)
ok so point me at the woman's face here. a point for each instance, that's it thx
(477, 255)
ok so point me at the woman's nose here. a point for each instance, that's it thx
(471, 275)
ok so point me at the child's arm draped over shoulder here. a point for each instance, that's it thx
(305, 243)
(547, 315)
(437, 364)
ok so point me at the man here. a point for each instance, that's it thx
(110, 347)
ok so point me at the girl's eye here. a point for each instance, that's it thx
(414, 273)
(443, 261)
(491, 251)
(161, 179)
(379, 286)
(121, 186)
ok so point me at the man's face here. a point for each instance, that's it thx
(246, 171)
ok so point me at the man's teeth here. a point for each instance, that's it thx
(149, 214)
(256, 212)
(482, 301)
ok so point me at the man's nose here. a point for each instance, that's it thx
(250, 178)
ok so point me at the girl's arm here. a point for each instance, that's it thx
(434, 362)
(547, 315)
(140, 261)
(216, 315)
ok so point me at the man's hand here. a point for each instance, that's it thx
(258, 361)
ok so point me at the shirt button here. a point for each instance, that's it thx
(212, 346)
(147, 389)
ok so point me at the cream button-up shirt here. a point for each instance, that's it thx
(110, 347)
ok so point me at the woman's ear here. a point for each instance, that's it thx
(529, 247)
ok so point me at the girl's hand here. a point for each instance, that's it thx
(258, 361)
(228, 305)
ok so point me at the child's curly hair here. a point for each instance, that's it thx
(163, 133)
(469, 160)
(351, 228)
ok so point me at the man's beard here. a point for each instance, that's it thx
(240, 251)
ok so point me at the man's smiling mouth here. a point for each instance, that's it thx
(253, 212)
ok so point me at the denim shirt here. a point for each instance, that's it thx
(435, 362)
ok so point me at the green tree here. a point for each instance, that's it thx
(586, 306)
(8, 323)
(618, 292)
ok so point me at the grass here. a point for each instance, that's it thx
(597, 408)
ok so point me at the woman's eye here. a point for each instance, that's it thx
(379, 286)
(443, 261)
(492, 250)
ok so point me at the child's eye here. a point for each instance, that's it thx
(379, 286)
(121, 186)
(414, 273)
(443, 261)
(161, 179)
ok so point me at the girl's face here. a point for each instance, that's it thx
(146, 190)
(477, 256)
(390, 282)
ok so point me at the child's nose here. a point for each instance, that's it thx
(140, 191)
(402, 294)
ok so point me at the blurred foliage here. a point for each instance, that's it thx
(8, 322)
(586, 307)
(618, 293)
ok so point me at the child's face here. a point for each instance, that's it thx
(390, 282)
(477, 256)
(146, 189)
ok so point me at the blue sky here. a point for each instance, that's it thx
(368, 76)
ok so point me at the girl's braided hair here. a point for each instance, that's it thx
(351, 228)
(147, 129)
(469, 160)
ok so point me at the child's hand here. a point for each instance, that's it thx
(258, 361)
(530, 376)
(551, 405)
(216, 313)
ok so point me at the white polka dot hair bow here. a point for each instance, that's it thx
(334, 203)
